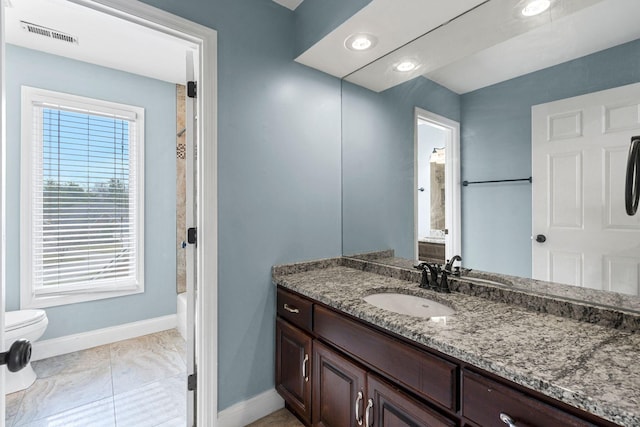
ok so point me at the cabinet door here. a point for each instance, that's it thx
(389, 407)
(338, 389)
(293, 368)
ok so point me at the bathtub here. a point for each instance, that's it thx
(182, 314)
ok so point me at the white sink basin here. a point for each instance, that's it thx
(409, 305)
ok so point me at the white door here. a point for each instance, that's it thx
(579, 154)
(191, 223)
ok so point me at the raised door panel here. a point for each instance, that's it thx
(338, 389)
(393, 408)
(293, 365)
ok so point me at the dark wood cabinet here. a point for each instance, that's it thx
(358, 373)
(338, 389)
(422, 373)
(346, 395)
(391, 407)
(296, 310)
(485, 401)
(293, 364)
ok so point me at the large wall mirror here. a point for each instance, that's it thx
(546, 105)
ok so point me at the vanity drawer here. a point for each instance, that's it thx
(296, 310)
(421, 372)
(484, 400)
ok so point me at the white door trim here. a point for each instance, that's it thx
(452, 181)
(207, 249)
(3, 151)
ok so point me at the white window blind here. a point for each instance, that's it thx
(84, 197)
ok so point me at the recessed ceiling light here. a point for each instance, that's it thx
(536, 7)
(405, 66)
(360, 42)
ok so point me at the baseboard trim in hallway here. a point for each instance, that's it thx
(84, 340)
(250, 410)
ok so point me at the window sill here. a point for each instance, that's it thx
(44, 301)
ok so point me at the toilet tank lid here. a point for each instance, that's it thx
(21, 318)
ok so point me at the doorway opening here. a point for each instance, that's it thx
(437, 231)
(201, 41)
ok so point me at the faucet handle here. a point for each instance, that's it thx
(420, 265)
(449, 265)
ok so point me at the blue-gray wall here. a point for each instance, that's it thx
(378, 162)
(278, 176)
(37, 69)
(314, 19)
(496, 144)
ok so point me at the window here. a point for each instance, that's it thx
(81, 199)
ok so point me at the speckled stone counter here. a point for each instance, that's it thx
(588, 366)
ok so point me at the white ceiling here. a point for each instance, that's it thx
(592, 29)
(102, 39)
(489, 44)
(393, 22)
(289, 4)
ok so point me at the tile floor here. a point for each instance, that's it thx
(281, 418)
(133, 383)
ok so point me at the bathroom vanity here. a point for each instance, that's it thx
(341, 361)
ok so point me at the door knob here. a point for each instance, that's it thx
(541, 238)
(18, 355)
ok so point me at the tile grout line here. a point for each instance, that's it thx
(113, 389)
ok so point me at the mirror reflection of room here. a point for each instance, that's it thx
(553, 227)
(431, 191)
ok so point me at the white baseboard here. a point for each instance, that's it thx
(85, 340)
(250, 410)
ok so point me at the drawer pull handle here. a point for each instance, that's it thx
(366, 413)
(507, 420)
(304, 368)
(358, 400)
(291, 309)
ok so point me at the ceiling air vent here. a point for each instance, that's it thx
(48, 32)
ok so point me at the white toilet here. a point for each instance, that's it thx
(27, 324)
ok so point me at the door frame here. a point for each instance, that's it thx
(3, 196)
(207, 204)
(452, 191)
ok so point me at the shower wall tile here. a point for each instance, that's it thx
(181, 189)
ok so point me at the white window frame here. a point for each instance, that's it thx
(30, 296)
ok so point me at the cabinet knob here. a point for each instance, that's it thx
(358, 400)
(366, 413)
(541, 238)
(507, 420)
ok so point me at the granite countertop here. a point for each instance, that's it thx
(588, 366)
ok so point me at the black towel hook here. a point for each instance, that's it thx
(631, 190)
